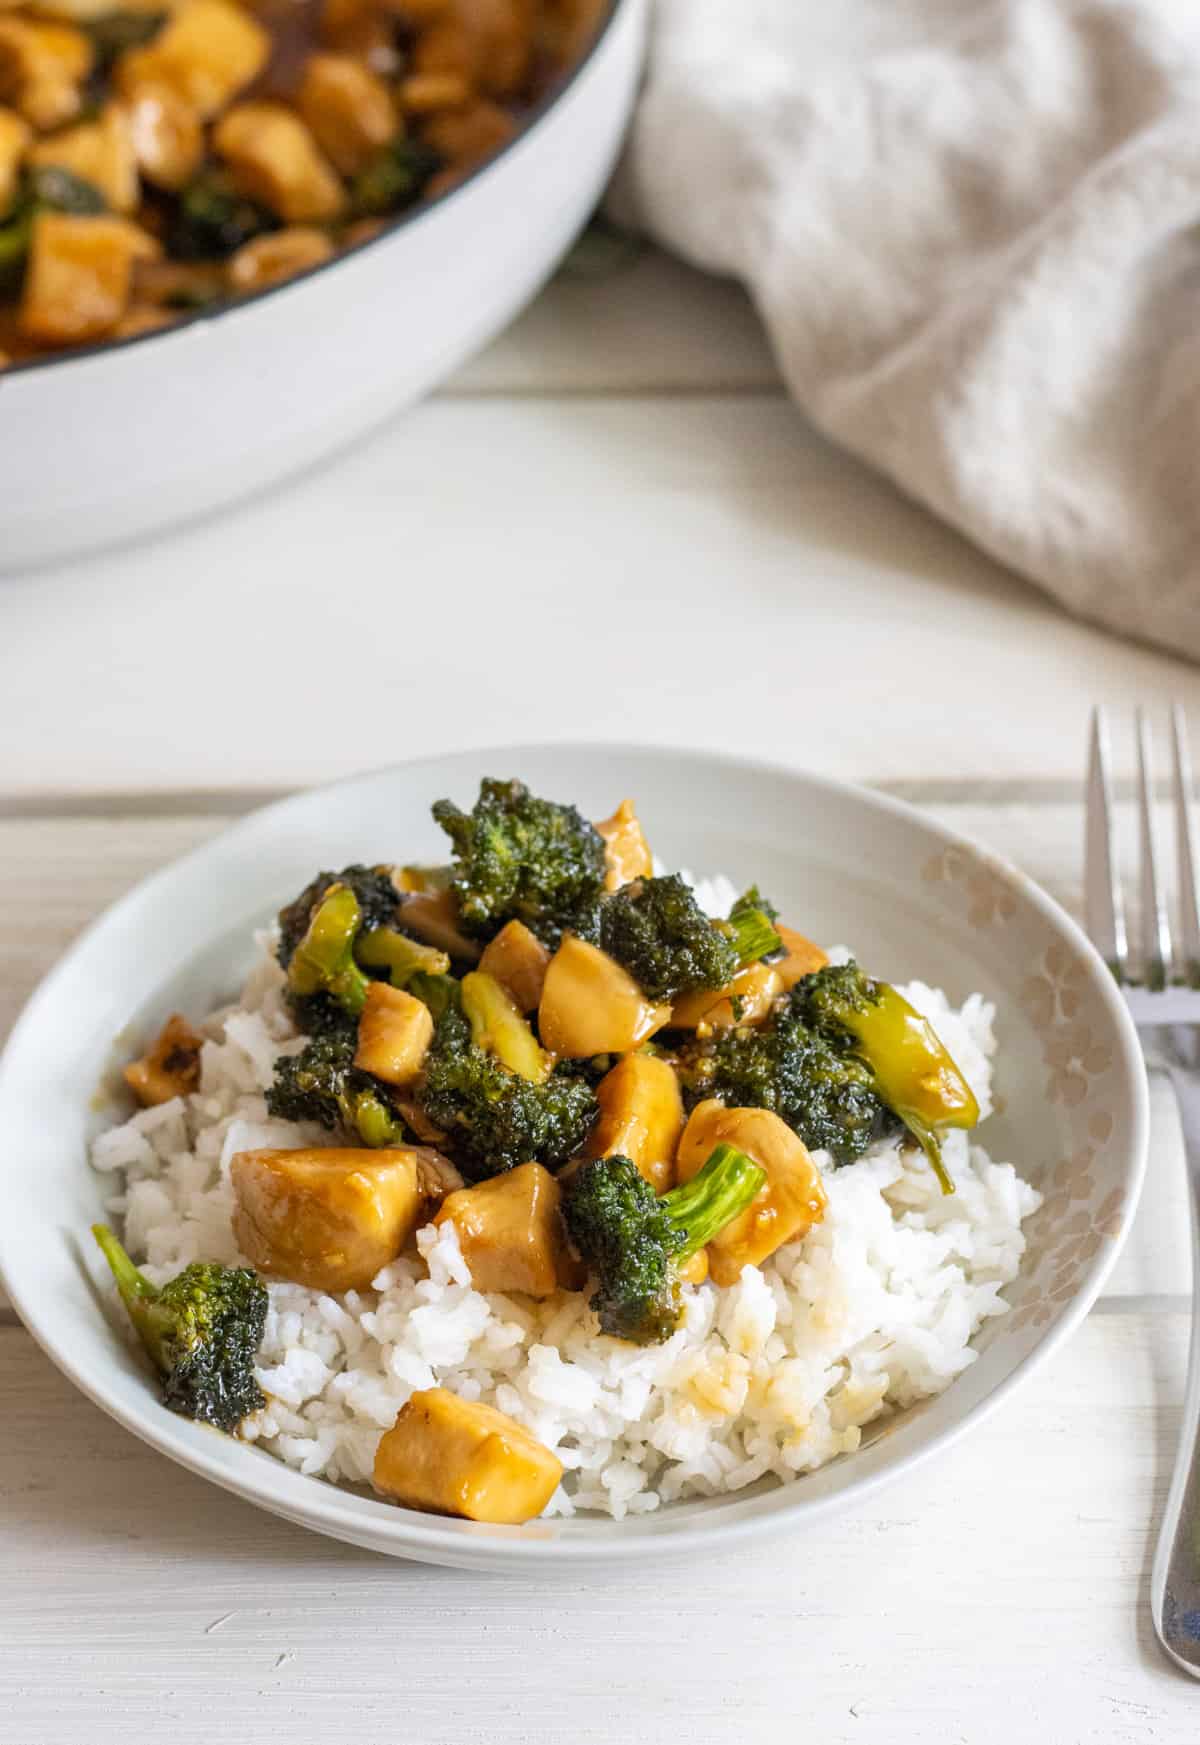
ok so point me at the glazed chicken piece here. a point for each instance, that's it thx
(803, 957)
(511, 1233)
(590, 1005)
(394, 1033)
(790, 1203)
(641, 1117)
(745, 1000)
(518, 960)
(80, 273)
(331, 1218)
(206, 53)
(626, 851)
(170, 1067)
(460, 1457)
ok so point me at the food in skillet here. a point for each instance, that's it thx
(541, 1180)
(160, 156)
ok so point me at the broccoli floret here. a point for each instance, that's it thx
(394, 178)
(518, 856)
(376, 895)
(751, 928)
(822, 1090)
(844, 1060)
(495, 1119)
(832, 997)
(322, 1084)
(202, 1330)
(636, 1244)
(213, 219)
(909, 1065)
(658, 931)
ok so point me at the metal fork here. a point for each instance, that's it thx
(1161, 985)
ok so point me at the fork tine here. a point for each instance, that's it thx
(1185, 836)
(1156, 928)
(1104, 908)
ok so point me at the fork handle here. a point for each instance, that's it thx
(1175, 1581)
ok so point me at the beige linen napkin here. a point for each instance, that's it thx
(971, 228)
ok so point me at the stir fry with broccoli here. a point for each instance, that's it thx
(542, 1041)
(163, 156)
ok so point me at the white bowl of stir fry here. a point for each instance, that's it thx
(569, 1155)
(234, 233)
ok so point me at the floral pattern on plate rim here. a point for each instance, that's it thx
(1082, 1211)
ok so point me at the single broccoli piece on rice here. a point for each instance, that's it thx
(202, 1331)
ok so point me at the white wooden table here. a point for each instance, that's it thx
(613, 525)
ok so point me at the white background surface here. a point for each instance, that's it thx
(612, 524)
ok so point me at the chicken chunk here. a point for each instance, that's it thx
(78, 280)
(394, 1033)
(42, 67)
(745, 1000)
(626, 850)
(487, 42)
(791, 1201)
(641, 1117)
(170, 1067)
(511, 1233)
(328, 1218)
(590, 1005)
(803, 957)
(464, 137)
(275, 159)
(460, 1457)
(206, 52)
(348, 108)
(519, 961)
(100, 152)
(168, 137)
(15, 134)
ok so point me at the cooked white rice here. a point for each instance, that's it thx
(874, 1309)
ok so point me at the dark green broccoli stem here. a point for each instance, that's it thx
(323, 962)
(750, 929)
(702, 1207)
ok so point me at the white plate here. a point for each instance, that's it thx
(915, 900)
